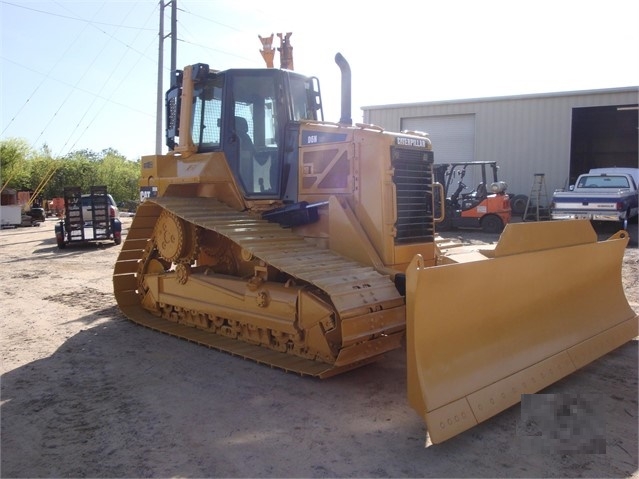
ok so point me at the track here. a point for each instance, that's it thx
(351, 286)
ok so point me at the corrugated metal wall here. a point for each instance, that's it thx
(525, 134)
(455, 135)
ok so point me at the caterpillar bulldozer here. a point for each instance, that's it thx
(308, 245)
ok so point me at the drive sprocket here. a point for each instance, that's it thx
(176, 239)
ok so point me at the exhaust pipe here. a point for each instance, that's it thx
(346, 89)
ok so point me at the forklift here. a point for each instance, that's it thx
(485, 205)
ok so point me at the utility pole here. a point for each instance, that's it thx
(160, 93)
(159, 98)
(173, 40)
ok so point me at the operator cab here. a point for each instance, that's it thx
(253, 116)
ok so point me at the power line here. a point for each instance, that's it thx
(88, 109)
(199, 17)
(78, 19)
(89, 92)
(108, 99)
(80, 78)
(206, 47)
(76, 87)
(62, 56)
(42, 82)
(213, 49)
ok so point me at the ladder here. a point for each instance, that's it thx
(100, 218)
(73, 220)
(537, 205)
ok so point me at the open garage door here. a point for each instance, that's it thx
(453, 136)
(603, 137)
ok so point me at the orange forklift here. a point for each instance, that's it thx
(484, 205)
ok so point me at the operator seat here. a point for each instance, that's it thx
(246, 154)
(481, 191)
(247, 148)
(257, 170)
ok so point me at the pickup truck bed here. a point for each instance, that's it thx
(598, 196)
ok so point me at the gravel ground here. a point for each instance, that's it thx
(86, 393)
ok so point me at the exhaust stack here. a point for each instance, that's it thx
(346, 89)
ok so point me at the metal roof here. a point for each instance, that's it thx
(530, 96)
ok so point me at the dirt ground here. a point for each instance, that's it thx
(86, 393)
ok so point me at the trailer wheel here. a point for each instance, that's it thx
(492, 224)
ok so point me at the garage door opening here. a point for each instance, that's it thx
(603, 137)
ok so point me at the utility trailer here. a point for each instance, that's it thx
(80, 226)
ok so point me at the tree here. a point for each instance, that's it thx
(22, 168)
(41, 168)
(14, 171)
(75, 170)
(119, 175)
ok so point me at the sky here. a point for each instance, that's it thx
(78, 75)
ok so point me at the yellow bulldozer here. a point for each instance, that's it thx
(310, 246)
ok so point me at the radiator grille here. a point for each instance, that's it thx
(413, 180)
(172, 113)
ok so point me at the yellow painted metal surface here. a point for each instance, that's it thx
(193, 175)
(550, 308)
(359, 317)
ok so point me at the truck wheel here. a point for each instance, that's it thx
(634, 232)
(492, 224)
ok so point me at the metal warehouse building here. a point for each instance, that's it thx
(558, 134)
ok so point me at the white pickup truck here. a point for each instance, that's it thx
(603, 194)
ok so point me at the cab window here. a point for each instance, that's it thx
(207, 114)
(255, 121)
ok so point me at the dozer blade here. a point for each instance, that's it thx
(482, 333)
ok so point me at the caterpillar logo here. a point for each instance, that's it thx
(148, 192)
(413, 142)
